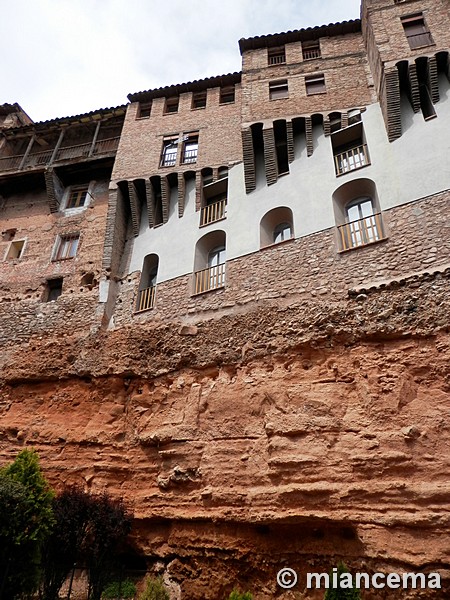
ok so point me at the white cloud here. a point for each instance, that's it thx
(73, 56)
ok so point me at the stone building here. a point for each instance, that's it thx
(228, 301)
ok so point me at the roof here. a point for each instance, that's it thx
(191, 86)
(310, 33)
(93, 116)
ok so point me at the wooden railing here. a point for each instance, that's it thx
(210, 279)
(146, 299)
(42, 159)
(362, 232)
(352, 159)
(308, 54)
(213, 212)
(277, 59)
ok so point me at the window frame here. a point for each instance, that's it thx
(311, 47)
(13, 244)
(312, 82)
(275, 53)
(416, 20)
(227, 94)
(199, 100)
(279, 89)
(171, 105)
(71, 241)
(168, 143)
(190, 139)
(144, 110)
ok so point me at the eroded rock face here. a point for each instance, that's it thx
(292, 441)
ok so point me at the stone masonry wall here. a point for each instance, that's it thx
(306, 268)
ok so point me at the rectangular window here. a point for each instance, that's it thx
(53, 289)
(276, 56)
(349, 149)
(190, 148)
(278, 89)
(67, 246)
(144, 110)
(227, 94)
(199, 100)
(171, 105)
(169, 152)
(15, 250)
(315, 84)
(77, 196)
(416, 31)
(311, 49)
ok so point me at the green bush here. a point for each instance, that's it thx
(127, 589)
(154, 590)
(341, 593)
(235, 595)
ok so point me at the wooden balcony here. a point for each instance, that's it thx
(352, 159)
(212, 212)
(310, 53)
(209, 279)
(44, 159)
(146, 299)
(362, 232)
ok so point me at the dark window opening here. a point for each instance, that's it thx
(53, 289)
(199, 100)
(171, 105)
(227, 94)
(315, 84)
(423, 78)
(144, 110)
(280, 133)
(8, 235)
(311, 50)
(416, 31)
(157, 203)
(278, 89)
(276, 56)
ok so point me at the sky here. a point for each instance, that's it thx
(68, 57)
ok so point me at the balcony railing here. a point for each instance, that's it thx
(277, 59)
(310, 53)
(418, 40)
(362, 232)
(213, 212)
(210, 279)
(42, 159)
(190, 156)
(352, 159)
(146, 299)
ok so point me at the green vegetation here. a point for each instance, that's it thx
(341, 593)
(154, 590)
(235, 595)
(117, 589)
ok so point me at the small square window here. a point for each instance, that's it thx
(53, 289)
(227, 94)
(416, 31)
(278, 89)
(190, 148)
(15, 250)
(276, 56)
(67, 246)
(171, 105)
(169, 152)
(199, 100)
(311, 50)
(315, 84)
(77, 196)
(144, 110)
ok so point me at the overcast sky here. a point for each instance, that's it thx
(66, 57)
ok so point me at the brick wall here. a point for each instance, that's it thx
(139, 153)
(307, 268)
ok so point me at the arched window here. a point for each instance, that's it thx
(147, 285)
(209, 266)
(276, 226)
(358, 215)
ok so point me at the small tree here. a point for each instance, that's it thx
(154, 590)
(26, 520)
(341, 593)
(119, 589)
